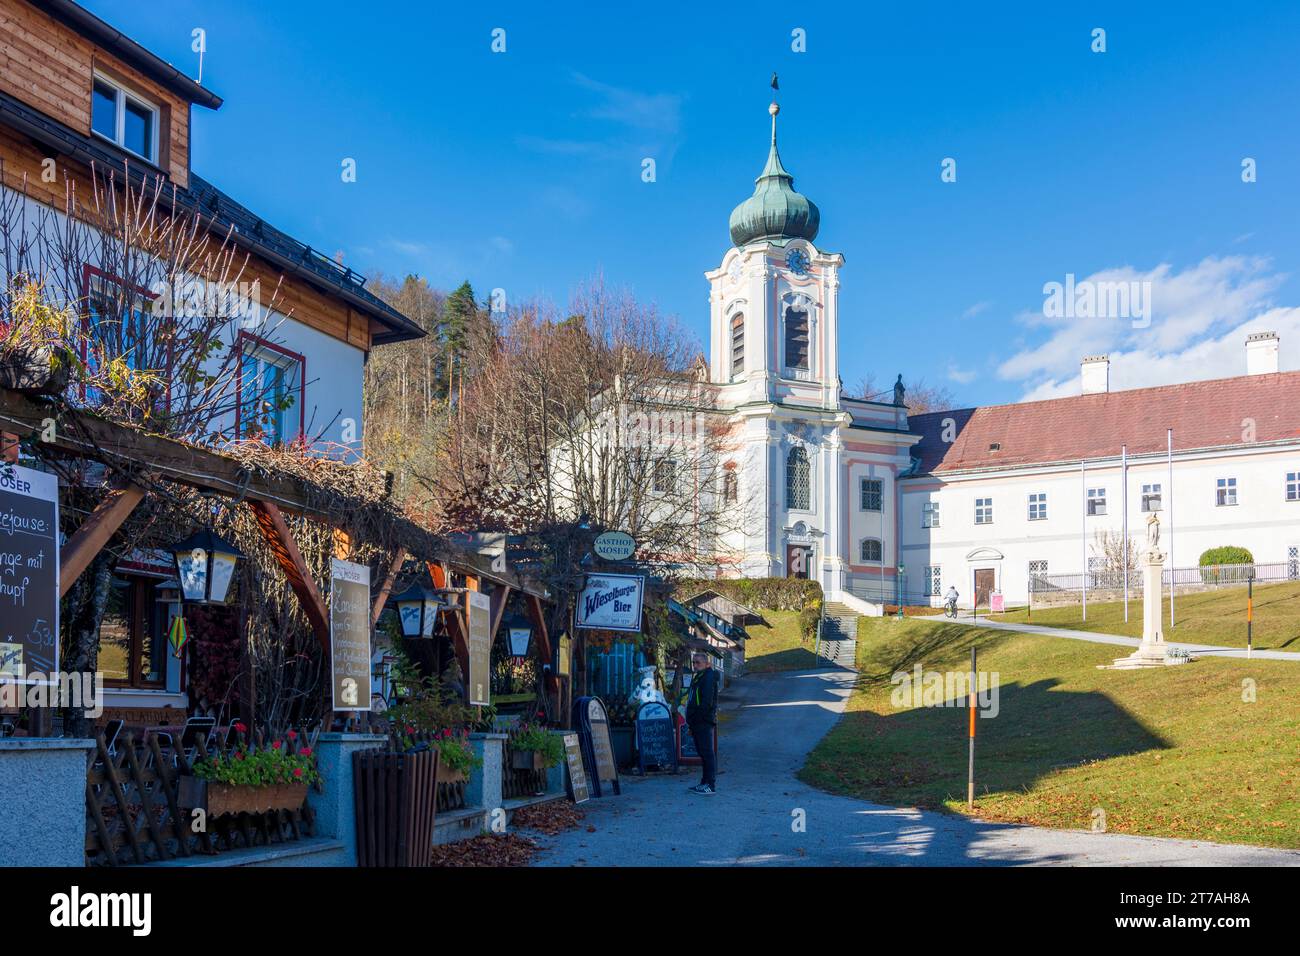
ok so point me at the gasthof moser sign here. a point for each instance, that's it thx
(611, 602)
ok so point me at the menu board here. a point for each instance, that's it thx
(578, 790)
(479, 610)
(594, 726)
(350, 635)
(656, 744)
(29, 575)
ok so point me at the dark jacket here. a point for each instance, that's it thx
(702, 698)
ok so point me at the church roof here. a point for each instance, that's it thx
(775, 211)
(1206, 414)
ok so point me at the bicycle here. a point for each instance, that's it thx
(950, 610)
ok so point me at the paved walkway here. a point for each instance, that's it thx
(775, 721)
(1206, 650)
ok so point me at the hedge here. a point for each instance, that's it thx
(774, 594)
(1228, 554)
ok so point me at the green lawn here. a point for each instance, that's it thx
(779, 647)
(1170, 752)
(1210, 617)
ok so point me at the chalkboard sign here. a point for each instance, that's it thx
(597, 747)
(29, 575)
(655, 743)
(686, 750)
(350, 634)
(578, 791)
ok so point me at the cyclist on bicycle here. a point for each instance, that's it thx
(950, 600)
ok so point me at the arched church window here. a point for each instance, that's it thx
(796, 337)
(797, 484)
(738, 346)
(870, 549)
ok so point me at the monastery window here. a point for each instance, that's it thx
(1151, 497)
(870, 550)
(664, 475)
(797, 341)
(934, 580)
(872, 494)
(1038, 506)
(797, 480)
(737, 347)
(1037, 568)
(983, 510)
(730, 487)
(124, 118)
(1225, 492)
(1096, 502)
(1293, 486)
(930, 514)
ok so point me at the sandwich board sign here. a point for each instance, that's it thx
(656, 743)
(350, 635)
(597, 746)
(578, 790)
(29, 576)
(611, 602)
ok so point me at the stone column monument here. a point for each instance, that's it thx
(1153, 651)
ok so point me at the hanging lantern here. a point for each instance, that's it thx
(417, 609)
(205, 565)
(519, 633)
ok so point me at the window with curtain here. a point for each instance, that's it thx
(797, 480)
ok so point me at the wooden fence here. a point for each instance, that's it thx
(133, 814)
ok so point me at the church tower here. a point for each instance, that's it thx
(774, 362)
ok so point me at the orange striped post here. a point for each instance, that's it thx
(1250, 612)
(970, 767)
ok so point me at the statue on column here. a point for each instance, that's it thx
(1153, 535)
(899, 391)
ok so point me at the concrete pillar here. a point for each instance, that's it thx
(335, 806)
(484, 786)
(43, 780)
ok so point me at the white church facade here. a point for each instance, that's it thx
(875, 504)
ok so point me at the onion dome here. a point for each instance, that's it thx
(775, 211)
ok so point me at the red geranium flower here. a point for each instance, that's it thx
(410, 728)
(292, 735)
(276, 745)
(240, 728)
(297, 771)
(305, 752)
(239, 755)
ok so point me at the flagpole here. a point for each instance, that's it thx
(1173, 572)
(1083, 480)
(1123, 472)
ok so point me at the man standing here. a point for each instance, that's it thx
(702, 718)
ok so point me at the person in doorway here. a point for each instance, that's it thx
(950, 599)
(702, 719)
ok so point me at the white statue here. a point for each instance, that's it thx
(645, 691)
(1153, 534)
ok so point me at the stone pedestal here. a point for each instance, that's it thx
(43, 782)
(1153, 651)
(335, 806)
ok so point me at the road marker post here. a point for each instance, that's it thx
(1250, 612)
(970, 766)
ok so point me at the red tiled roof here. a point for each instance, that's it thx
(1202, 415)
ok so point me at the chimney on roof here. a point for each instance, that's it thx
(1094, 373)
(1261, 353)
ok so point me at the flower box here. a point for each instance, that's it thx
(448, 774)
(527, 760)
(219, 799)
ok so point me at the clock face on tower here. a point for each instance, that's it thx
(797, 260)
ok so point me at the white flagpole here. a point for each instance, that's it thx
(1123, 472)
(1173, 583)
(1083, 479)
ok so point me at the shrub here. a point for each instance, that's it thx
(1228, 554)
(538, 738)
(765, 594)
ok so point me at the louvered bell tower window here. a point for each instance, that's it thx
(796, 338)
(737, 346)
(797, 485)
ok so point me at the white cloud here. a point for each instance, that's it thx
(1198, 321)
(976, 309)
(962, 376)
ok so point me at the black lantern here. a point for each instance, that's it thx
(519, 633)
(205, 566)
(417, 609)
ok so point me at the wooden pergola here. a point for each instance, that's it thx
(271, 495)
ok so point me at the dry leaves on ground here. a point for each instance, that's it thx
(550, 818)
(489, 849)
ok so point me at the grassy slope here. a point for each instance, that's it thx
(1174, 752)
(778, 647)
(1211, 617)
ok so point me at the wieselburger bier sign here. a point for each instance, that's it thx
(611, 602)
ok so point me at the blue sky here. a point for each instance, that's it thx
(522, 170)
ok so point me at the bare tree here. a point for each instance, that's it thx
(921, 398)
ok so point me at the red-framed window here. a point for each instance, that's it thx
(270, 391)
(120, 317)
